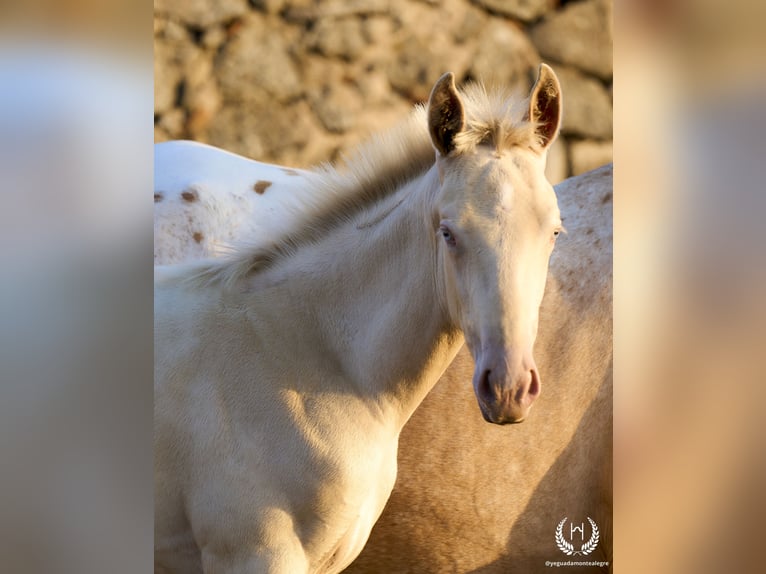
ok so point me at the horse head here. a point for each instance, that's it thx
(495, 218)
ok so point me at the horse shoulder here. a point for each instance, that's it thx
(278, 451)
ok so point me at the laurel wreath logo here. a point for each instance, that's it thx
(590, 545)
(568, 548)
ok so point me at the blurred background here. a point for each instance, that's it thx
(297, 82)
(690, 280)
(76, 102)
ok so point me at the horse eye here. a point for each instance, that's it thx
(449, 238)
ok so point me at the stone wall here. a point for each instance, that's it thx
(297, 82)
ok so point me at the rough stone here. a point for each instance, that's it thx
(472, 25)
(269, 6)
(580, 35)
(286, 135)
(338, 8)
(587, 155)
(337, 107)
(504, 57)
(237, 129)
(159, 25)
(167, 77)
(587, 106)
(172, 122)
(525, 10)
(257, 60)
(173, 31)
(160, 135)
(374, 86)
(202, 13)
(419, 64)
(319, 71)
(180, 68)
(440, 25)
(303, 81)
(377, 29)
(342, 38)
(203, 103)
(214, 37)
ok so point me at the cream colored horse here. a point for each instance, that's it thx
(285, 374)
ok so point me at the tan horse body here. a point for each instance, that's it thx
(285, 374)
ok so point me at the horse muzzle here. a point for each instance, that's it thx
(505, 395)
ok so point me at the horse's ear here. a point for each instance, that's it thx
(446, 117)
(545, 105)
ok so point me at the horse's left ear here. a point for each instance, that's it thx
(545, 105)
(446, 117)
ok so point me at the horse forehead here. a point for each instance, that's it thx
(508, 183)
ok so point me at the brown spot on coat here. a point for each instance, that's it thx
(198, 237)
(158, 196)
(289, 171)
(607, 198)
(190, 195)
(260, 186)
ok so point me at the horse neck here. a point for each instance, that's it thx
(378, 305)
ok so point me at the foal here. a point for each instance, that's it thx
(284, 374)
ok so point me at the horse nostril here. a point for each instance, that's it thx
(528, 387)
(484, 391)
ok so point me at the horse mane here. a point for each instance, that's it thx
(376, 170)
(496, 118)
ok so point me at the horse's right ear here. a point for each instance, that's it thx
(446, 117)
(545, 106)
